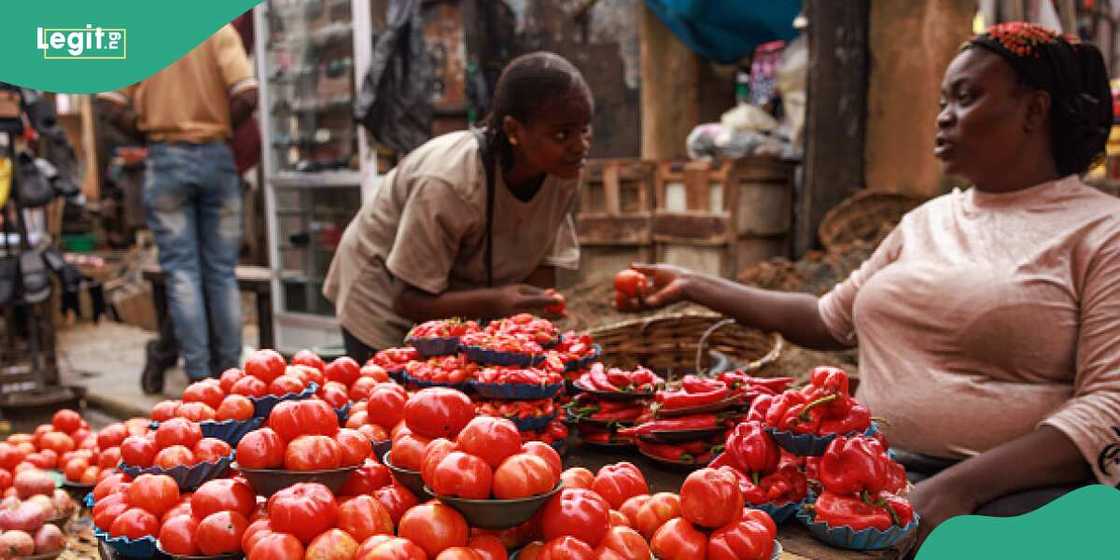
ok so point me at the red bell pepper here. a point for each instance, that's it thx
(781, 487)
(856, 420)
(854, 465)
(840, 510)
(759, 407)
(752, 449)
(829, 380)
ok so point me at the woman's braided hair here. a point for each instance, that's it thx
(1074, 75)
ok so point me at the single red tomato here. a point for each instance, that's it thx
(223, 494)
(58, 442)
(546, 452)
(491, 439)
(312, 453)
(221, 532)
(261, 449)
(181, 508)
(335, 544)
(176, 535)
(396, 499)
(11, 455)
(711, 498)
(309, 359)
(138, 426)
(433, 454)
(138, 451)
(369, 477)
(394, 548)
(171, 457)
(154, 493)
(296, 418)
(567, 548)
(66, 421)
(109, 458)
(73, 469)
(343, 370)
(277, 546)
(678, 540)
(109, 485)
(286, 384)
(177, 431)
(385, 406)
(165, 410)
(303, 509)
(109, 513)
(334, 394)
(619, 482)
(655, 512)
(462, 475)
(309, 375)
(630, 508)
(748, 538)
(208, 392)
(458, 553)
(230, 377)
(408, 451)
(434, 527)
(362, 517)
(631, 283)
(265, 365)
(196, 411)
(577, 477)
(374, 371)
(362, 388)
(576, 512)
(373, 432)
(234, 407)
(134, 523)
(627, 544)
(211, 450)
(523, 475)
(249, 386)
(253, 533)
(438, 412)
(488, 547)
(355, 446)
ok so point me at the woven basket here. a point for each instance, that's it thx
(678, 343)
(869, 215)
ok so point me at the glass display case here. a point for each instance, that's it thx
(316, 161)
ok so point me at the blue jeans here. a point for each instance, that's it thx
(192, 196)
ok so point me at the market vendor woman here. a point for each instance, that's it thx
(988, 321)
(439, 240)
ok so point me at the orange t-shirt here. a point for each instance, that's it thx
(984, 316)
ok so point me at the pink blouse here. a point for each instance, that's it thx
(983, 316)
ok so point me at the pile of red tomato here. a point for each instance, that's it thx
(302, 436)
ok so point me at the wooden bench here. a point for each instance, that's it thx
(163, 352)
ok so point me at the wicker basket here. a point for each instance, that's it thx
(677, 343)
(869, 215)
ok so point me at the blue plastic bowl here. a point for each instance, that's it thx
(585, 362)
(779, 513)
(188, 478)
(343, 413)
(432, 347)
(230, 431)
(516, 391)
(864, 539)
(264, 405)
(126, 547)
(410, 381)
(486, 357)
(534, 424)
(802, 445)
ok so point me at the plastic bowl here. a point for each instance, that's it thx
(188, 478)
(267, 482)
(409, 479)
(229, 431)
(498, 514)
(380, 448)
(124, 546)
(432, 347)
(516, 391)
(864, 539)
(262, 406)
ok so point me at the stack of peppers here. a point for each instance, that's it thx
(824, 407)
(768, 478)
(599, 420)
(861, 486)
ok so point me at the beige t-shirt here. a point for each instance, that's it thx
(426, 227)
(189, 100)
(983, 316)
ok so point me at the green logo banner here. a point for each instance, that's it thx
(76, 46)
(1077, 525)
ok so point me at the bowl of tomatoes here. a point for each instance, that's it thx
(440, 337)
(497, 515)
(266, 482)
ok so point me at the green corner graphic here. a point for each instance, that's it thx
(1077, 525)
(152, 36)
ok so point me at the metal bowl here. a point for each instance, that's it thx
(408, 478)
(498, 514)
(267, 482)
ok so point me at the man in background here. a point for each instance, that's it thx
(192, 193)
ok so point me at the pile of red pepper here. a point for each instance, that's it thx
(394, 359)
(514, 375)
(516, 409)
(698, 452)
(764, 477)
(455, 369)
(443, 328)
(533, 328)
(861, 486)
(823, 407)
(574, 347)
(616, 380)
(585, 407)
